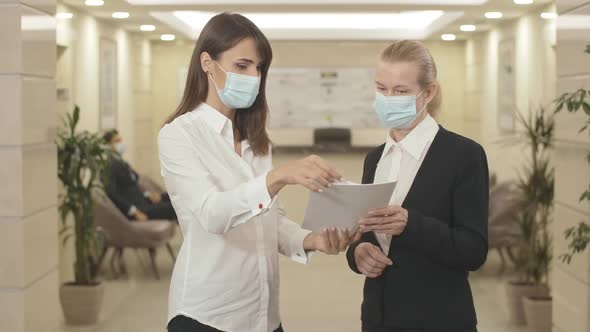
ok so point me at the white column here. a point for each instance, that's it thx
(28, 167)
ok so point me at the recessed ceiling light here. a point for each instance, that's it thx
(467, 27)
(523, 2)
(147, 27)
(94, 3)
(494, 15)
(448, 37)
(167, 37)
(549, 16)
(64, 16)
(121, 15)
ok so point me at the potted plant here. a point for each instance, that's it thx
(574, 102)
(530, 293)
(82, 159)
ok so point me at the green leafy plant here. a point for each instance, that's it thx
(574, 102)
(536, 188)
(82, 159)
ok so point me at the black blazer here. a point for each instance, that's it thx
(445, 237)
(122, 186)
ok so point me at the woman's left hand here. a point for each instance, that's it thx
(390, 220)
(331, 241)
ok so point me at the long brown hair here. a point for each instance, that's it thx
(416, 52)
(221, 33)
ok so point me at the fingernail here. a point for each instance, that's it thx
(320, 190)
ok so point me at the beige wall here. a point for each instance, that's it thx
(78, 42)
(571, 283)
(535, 77)
(168, 58)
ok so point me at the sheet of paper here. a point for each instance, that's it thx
(344, 204)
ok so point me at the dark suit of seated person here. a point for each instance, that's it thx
(123, 187)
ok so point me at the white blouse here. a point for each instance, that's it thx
(227, 273)
(401, 161)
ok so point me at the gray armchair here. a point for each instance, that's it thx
(503, 230)
(120, 233)
(332, 139)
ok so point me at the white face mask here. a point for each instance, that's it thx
(120, 148)
(397, 112)
(240, 91)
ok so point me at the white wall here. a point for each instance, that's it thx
(535, 77)
(571, 283)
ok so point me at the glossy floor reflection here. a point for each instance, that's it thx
(323, 296)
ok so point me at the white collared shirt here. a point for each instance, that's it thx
(400, 162)
(227, 273)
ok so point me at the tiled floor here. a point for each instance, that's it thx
(323, 296)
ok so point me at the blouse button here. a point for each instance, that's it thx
(260, 206)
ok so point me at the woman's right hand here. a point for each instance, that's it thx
(311, 172)
(370, 260)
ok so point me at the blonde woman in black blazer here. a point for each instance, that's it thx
(417, 252)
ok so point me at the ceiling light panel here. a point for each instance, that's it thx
(306, 2)
(467, 27)
(94, 3)
(64, 16)
(494, 15)
(147, 27)
(448, 37)
(325, 26)
(406, 20)
(120, 15)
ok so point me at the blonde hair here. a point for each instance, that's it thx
(416, 52)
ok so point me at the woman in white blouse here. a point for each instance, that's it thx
(216, 162)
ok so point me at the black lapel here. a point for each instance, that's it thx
(371, 164)
(420, 181)
(432, 157)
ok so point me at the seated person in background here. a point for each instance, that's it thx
(123, 187)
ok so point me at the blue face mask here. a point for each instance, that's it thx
(396, 112)
(240, 91)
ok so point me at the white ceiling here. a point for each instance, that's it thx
(306, 2)
(164, 15)
(325, 26)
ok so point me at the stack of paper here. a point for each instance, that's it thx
(344, 204)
